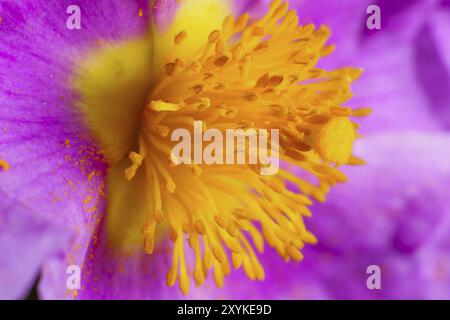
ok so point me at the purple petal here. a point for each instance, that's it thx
(56, 170)
(390, 83)
(433, 64)
(346, 19)
(43, 138)
(163, 12)
(116, 274)
(256, 9)
(393, 212)
(25, 243)
(401, 20)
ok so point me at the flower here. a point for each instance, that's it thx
(70, 165)
(232, 82)
(229, 73)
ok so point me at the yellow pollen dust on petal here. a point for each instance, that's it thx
(246, 75)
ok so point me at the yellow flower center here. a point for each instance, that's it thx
(258, 74)
(247, 75)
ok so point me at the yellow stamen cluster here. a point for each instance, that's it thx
(261, 74)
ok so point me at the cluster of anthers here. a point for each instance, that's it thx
(259, 74)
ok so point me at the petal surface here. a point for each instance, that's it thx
(20, 230)
(55, 169)
(393, 212)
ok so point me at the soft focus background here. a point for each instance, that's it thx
(395, 211)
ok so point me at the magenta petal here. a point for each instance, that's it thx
(55, 167)
(163, 12)
(433, 64)
(401, 19)
(255, 8)
(403, 180)
(56, 171)
(440, 27)
(393, 212)
(346, 19)
(111, 274)
(25, 243)
(390, 85)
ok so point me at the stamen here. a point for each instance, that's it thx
(257, 76)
